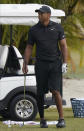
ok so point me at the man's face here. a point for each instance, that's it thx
(43, 16)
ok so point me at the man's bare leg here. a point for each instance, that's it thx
(58, 101)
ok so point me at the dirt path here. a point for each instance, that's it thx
(72, 88)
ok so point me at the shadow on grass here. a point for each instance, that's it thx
(4, 119)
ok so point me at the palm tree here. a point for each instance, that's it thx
(73, 25)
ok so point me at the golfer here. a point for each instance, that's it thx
(51, 61)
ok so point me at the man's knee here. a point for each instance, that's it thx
(55, 92)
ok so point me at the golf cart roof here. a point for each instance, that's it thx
(24, 14)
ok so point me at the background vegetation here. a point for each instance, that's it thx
(73, 25)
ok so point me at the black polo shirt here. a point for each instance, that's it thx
(46, 39)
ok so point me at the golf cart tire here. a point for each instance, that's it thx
(5, 113)
(16, 101)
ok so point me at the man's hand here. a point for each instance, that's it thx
(64, 68)
(25, 68)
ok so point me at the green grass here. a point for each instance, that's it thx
(77, 74)
(72, 124)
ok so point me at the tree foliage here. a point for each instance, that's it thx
(73, 24)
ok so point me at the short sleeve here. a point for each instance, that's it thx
(30, 38)
(61, 32)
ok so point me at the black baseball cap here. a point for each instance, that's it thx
(44, 9)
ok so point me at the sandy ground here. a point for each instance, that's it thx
(72, 88)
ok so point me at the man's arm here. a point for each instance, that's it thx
(27, 55)
(64, 50)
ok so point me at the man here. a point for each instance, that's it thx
(48, 68)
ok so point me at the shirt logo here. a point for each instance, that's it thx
(52, 29)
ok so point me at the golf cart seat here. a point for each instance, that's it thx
(20, 60)
(11, 58)
(3, 56)
(9, 64)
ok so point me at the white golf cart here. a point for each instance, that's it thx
(11, 61)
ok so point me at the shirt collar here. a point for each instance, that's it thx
(50, 23)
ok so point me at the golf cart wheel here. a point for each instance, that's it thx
(23, 109)
(5, 113)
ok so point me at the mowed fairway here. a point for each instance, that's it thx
(72, 124)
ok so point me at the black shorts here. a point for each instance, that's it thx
(48, 76)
